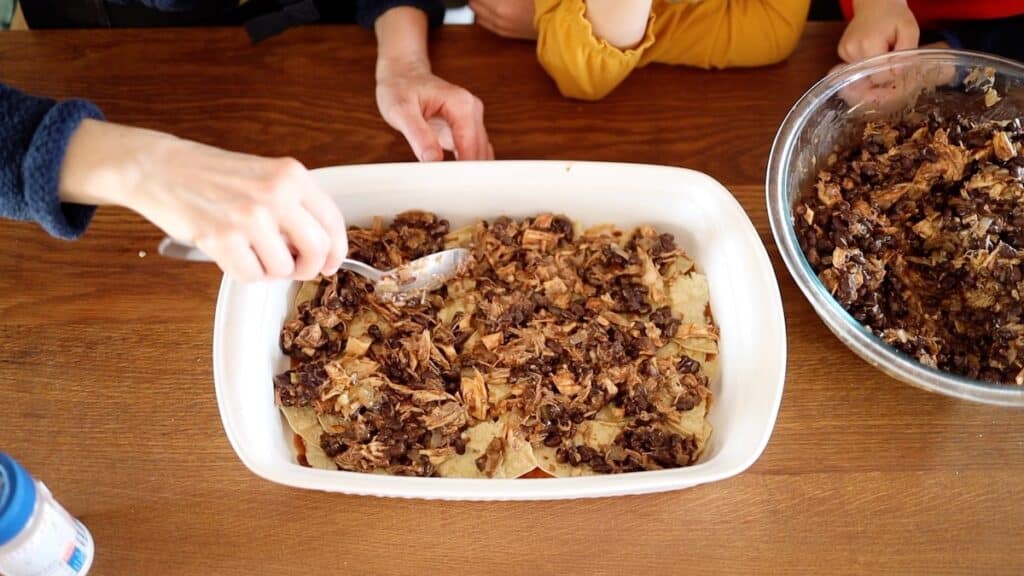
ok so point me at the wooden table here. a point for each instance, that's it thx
(106, 388)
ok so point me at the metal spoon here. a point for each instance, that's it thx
(417, 277)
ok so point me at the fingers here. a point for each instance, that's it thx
(846, 43)
(886, 77)
(908, 34)
(870, 46)
(481, 8)
(258, 218)
(293, 193)
(845, 52)
(459, 126)
(855, 93)
(443, 132)
(234, 255)
(488, 25)
(496, 25)
(310, 242)
(270, 247)
(408, 119)
(326, 212)
(507, 18)
(876, 34)
(407, 99)
(465, 115)
(486, 16)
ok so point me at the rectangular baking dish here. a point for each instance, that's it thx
(706, 221)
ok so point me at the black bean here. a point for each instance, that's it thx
(460, 445)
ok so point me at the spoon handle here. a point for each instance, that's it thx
(172, 248)
(363, 269)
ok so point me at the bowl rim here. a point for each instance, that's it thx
(851, 332)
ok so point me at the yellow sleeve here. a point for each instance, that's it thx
(726, 33)
(582, 65)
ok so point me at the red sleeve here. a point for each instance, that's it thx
(934, 11)
(931, 11)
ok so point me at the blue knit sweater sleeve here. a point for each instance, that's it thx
(34, 135)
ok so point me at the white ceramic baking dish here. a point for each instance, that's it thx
(707, 222)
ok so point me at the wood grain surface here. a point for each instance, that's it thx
(106, 388)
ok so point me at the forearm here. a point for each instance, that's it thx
(401, 41)
(369, 11)
(105, 161)
(621, 23)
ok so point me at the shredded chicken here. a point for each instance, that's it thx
(922, 244)
(501, 371)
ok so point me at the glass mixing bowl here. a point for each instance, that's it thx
(836, 108)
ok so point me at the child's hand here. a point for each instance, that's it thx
(878, 26)
(258, 218)
(434, 115)
(508, 18)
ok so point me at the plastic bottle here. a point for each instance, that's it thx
(37, 536)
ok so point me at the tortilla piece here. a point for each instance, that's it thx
(698, 345)
(517, 457)
(596, 434)
(461, 288)
(689, 297)
(689, 423)
(600, 434)
(517, 460)
(460, 238)
(602, 230)
(307, 291)
(610, 413)
(681, 266)
(692, 423)
(361, 323)
(477, 437)
(304, 422)
(333, 423)
(709, 363)
(698, 337)
(498, 392)
(447, 314)
(356, 346)
(708, 360)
